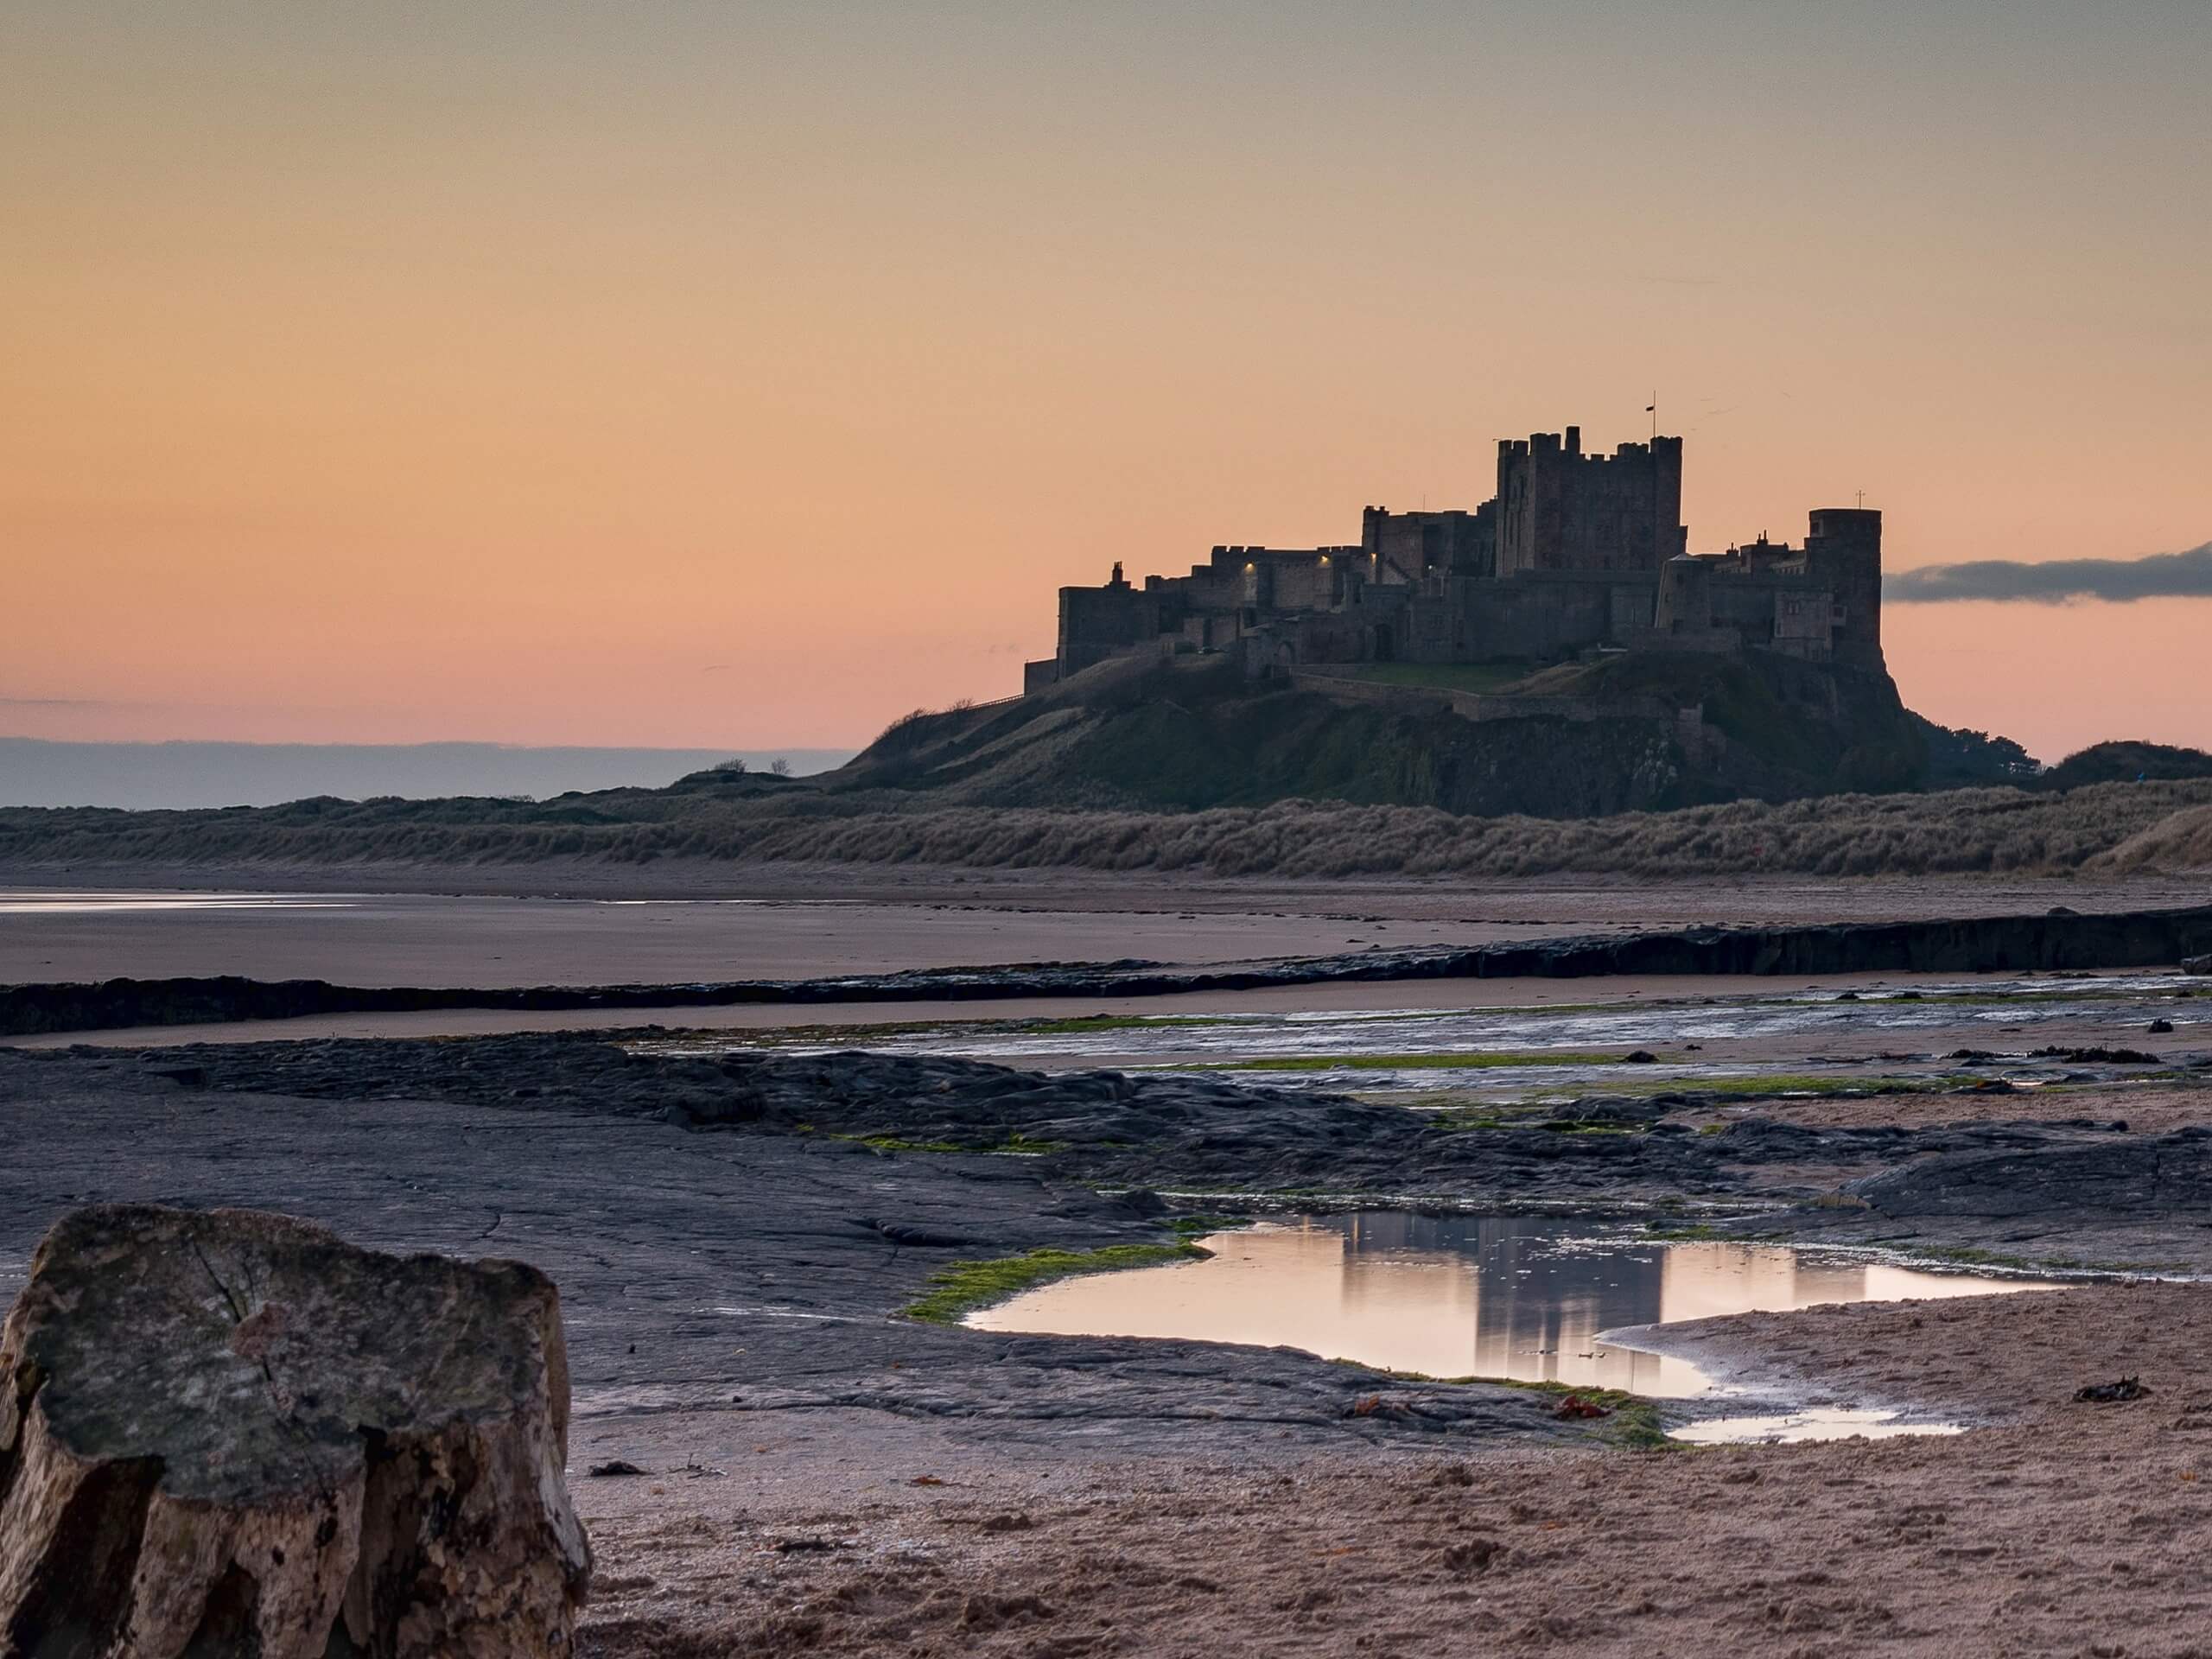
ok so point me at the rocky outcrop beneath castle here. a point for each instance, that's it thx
(1645, 731)
(1983, 944)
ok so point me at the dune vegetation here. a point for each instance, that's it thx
(1186, 767)
(2105, 829)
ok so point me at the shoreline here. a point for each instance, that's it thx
(2062, 940)
(1553, 899)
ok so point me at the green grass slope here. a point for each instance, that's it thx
(1192, 733)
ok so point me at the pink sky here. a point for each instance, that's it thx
(744, 377)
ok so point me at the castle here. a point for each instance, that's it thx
(1576, 555)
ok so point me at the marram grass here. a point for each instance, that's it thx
(1461, 1062)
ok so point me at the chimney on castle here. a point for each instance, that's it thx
(1574, 441)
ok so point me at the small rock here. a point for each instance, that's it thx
(989, 1612)
(1474, 1556)
(2128, 1387)
(614, 1466)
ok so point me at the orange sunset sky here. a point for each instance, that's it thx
(748, 374)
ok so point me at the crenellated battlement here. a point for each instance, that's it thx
(1574, 553)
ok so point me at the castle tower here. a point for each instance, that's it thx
(1561, 510)
(1843, 547)
(1685, 602)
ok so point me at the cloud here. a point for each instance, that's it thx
(2156, 575)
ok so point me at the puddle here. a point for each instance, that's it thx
(1826, 1425)
(1470, 1296)
(19, 903)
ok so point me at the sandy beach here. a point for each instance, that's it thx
(741, 1223)
(554, 923)
(2054, 1528)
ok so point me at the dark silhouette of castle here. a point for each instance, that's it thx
(1575, 555)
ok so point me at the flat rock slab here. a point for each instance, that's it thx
(2163, 1175)
(232, 1432)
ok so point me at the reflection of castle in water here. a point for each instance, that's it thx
(1461, 1296)
(1536, 1302)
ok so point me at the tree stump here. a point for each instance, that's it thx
(232, 1434)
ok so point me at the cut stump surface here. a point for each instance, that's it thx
(233, 1433)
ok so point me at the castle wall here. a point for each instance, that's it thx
(1410, 547)
(1097, 623)
(1481, 706)
(1555, 614)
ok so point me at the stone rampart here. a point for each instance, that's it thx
(1480, 706)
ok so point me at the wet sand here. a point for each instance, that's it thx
(551, 925)
(357, 939)
(2061, 1529)
(2149, 1107)
(1555, 899)
(1626, 991)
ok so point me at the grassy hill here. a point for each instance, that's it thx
(2125, 763)
(1191, 733)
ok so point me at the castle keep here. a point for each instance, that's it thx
(1576, 554)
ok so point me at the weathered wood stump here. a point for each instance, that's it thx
(234, 1433)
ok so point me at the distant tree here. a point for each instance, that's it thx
(735, 767)
(781, 767)
(1960, 757)
(2127, 760)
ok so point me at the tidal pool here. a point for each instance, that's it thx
(1517, 1055)
(1467, 1296)
(1818, 1424)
